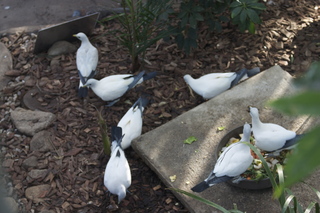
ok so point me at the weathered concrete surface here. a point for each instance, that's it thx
(31, 16)
(164, 151)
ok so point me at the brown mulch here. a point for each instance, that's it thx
(288, 36)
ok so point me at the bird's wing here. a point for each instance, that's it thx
(87, 60)
(234, 162)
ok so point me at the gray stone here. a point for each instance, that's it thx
(30, 162)
(9, 205)
(164, 151)
(5, 65)
(37, 193)
(30, 122)
(61, 47)
(37, 173)
(42, 141)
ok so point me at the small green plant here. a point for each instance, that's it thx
(307, 102)
(142, 25)
(104, 133)
(245, 14)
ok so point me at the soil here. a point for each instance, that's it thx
(288, 36)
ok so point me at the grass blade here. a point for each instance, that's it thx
(203, 200)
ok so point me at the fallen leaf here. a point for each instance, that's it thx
(190, 140)
(173, 178)
(221, 128)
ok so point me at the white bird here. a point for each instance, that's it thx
(111, 88)
(131, 122)
(117, 176)
(233, 161)
(271, 137)
(87, 61)
(211, 85)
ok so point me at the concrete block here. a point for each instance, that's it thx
(164, 151)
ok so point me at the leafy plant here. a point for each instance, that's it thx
(141, 26)
(104, 133)
(245, 14)
(307, 102)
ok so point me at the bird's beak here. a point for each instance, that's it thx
(248, 110)
(74, 35)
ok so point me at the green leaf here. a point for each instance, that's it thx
(254, 17)
(190, 140)
(193, 22)
(198, 17)
(236, 11)
(252, 28)
(184, 21)
(198, 9)
(257, 6)
(305, 159)
(235, 4)
(303, 103)
(286, 204)
(243, 16)
(220, 128)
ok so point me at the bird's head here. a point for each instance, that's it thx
(90, 82)
(80, 36)
(253, 111)
(187, 78)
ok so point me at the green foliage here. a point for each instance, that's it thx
(142, 25)
(104, 133)
(206, 201)
(243, 13)
(305, 159)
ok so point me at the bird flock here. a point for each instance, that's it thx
(232, 162)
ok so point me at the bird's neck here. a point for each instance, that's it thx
(256, 122)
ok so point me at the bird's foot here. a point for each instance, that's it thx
(237, 179)
(112, 103)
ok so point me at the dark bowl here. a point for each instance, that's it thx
(245, 184)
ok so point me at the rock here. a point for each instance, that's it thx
(30, 81)
(5, 65)
(61, 47)
(30, 162)
(37, 173)
(41, 141)
(30, 122)
(8, 204)
(36, 193)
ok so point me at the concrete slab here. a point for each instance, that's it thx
(31, 16)
(164, 151)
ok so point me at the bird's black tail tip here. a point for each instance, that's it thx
(83, 92)
(253, 71)
(200, 187)
(149, 75)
